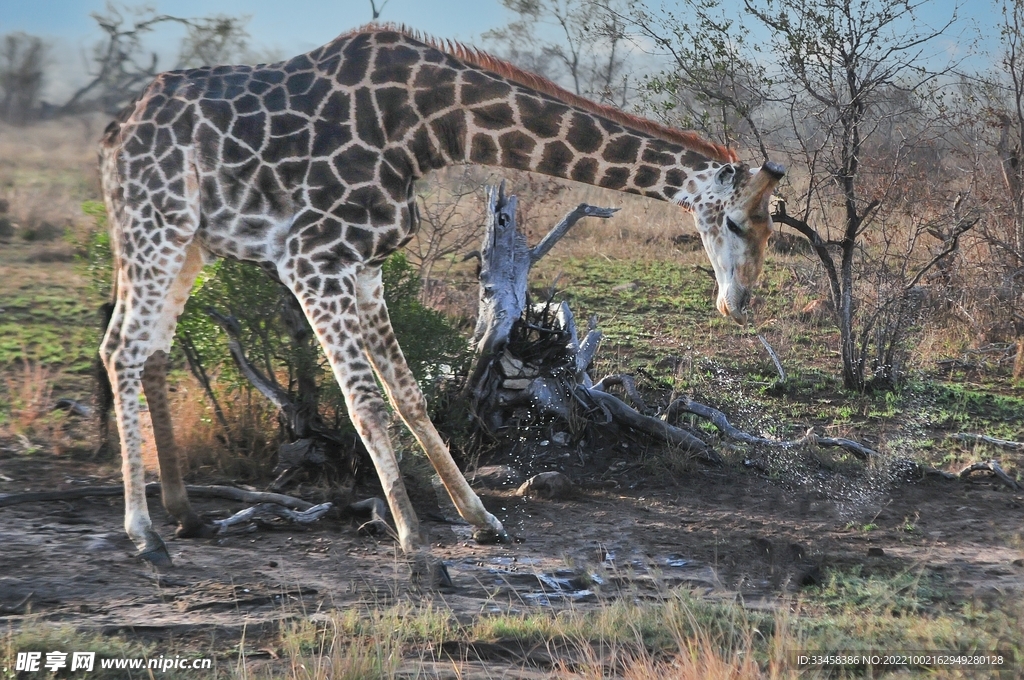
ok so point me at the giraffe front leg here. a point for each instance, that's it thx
(406, 395)
(331, 308)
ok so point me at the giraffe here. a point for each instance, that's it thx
(306, 167)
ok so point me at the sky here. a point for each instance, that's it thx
(287, 24)
(289, 27)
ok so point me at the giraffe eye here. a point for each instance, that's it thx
(733, 227)
(725, 175)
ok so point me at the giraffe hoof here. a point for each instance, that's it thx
(491, 537)
(157, 555)
(196, 529)
(430, 572)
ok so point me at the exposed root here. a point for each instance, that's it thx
(18, 608)
(719, 420)
(623, 414)
(628, 384)
(377, 510)
(985, 439)
(929, 471)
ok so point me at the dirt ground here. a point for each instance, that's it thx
(722, 533)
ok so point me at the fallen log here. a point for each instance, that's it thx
(995, 469)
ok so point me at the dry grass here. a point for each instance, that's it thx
(677, 638)
(46, 171)
(29, 397)
(242, 453)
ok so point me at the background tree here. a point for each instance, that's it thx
(713, 84)
(844, 76)
(579, 43)
(22, 60)
(855, 67)
(122, 63)
(999, 94)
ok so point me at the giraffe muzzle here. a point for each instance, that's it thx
(774, 169)
(735, 306)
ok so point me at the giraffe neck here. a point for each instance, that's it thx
(454, 105)
(563, 141)
(528, 130)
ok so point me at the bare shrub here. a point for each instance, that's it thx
(451, 214)
(46, 171)
(56, 253)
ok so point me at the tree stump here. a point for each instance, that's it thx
(529, 357)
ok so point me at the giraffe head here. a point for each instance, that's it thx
(729, 202)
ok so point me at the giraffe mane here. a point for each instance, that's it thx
(476, 57)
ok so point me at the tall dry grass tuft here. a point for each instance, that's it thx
(29, 396)
(243, 451)
(340, 649)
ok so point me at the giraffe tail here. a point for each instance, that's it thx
(103, 392)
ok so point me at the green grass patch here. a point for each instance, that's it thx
(49, 316)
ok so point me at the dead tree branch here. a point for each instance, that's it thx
(985, 439)
(153, 489)
(273, 510)
(532, 356)
(775, 359)
(302, 423)
(720, 421)
(195, 365)
(562, 228)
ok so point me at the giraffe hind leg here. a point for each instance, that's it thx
(150, 298)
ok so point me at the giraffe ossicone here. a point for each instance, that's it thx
(306, 167)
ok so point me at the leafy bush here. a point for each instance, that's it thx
(276, 337)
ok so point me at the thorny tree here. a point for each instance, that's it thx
(846, 73)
